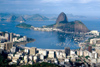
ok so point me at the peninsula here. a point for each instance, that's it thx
(63, 24)
(15, 39)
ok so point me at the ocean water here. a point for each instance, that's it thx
(47, 40)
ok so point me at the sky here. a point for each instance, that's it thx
(76, 7)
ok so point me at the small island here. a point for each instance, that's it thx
(24, 25)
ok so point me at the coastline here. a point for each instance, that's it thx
(43, 49)
(53, 30)
(61, 31)
(50, 30)
(24, 47)
(83, 47)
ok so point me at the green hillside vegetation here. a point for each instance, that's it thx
(3, 61)
(43, 64)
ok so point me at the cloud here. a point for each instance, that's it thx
(17, 1)
(84, 1)
(35, 9)
(45, 6)
(56, 1)
(69, 1)
(52, 1)
(46, 1)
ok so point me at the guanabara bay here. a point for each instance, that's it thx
(49, 33)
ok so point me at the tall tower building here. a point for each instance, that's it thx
(67, 51)
(33, 50)
(11, 39)
(90, 48)
(7, 36)
(8, 45)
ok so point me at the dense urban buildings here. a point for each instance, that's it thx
(25, 55)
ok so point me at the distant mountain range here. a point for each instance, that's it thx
(21, 18)
(14, 18)
(70, 16)
(35, 17)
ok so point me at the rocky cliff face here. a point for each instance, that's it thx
(80, 27)
(62, 18)
(75, 26)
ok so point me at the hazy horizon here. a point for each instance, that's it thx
(78, 7)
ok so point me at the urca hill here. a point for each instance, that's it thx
(74, 26)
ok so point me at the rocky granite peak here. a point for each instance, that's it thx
(62, 18)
